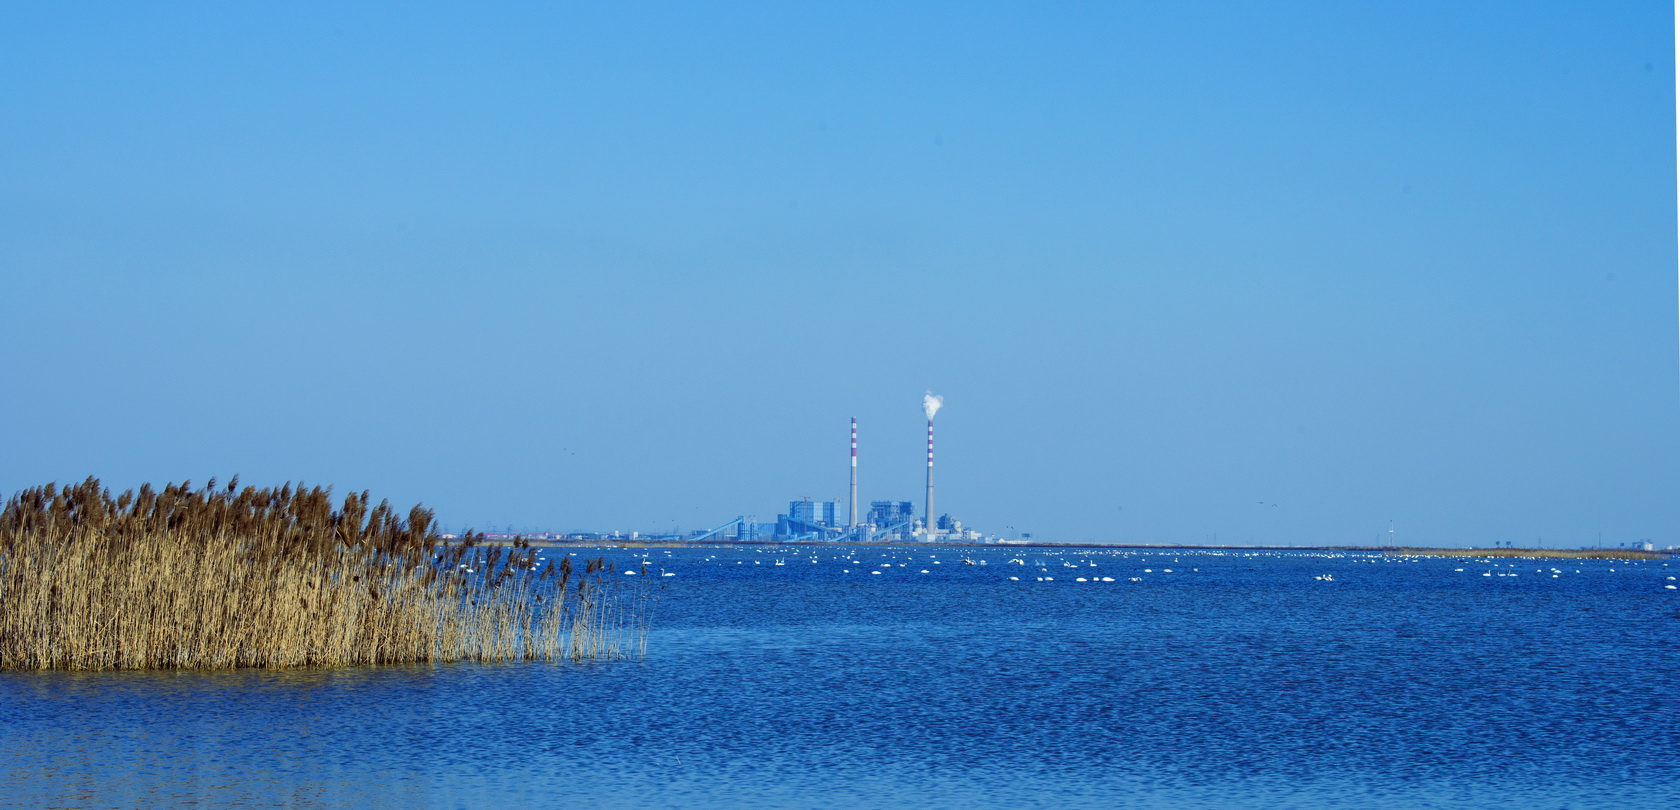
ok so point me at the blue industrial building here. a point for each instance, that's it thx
(808, 517)
(891, 513)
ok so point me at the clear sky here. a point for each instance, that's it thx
(634, 266)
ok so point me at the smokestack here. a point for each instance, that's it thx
(931, 404)
(853, 523)
(927, 519)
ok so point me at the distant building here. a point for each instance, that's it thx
(948, 529)
(889, 513)
(819, 513)
(808, 517)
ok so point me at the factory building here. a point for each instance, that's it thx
(821, 513)
(808, 517)
(890, 513)
(949, 528)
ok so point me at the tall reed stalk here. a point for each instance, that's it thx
(230, 577)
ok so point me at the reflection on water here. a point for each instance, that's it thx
(1232, 680)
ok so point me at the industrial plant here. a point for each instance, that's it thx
(808, 520)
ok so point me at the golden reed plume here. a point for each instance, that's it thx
(230, 577)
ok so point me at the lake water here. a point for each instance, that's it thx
(1232, 680)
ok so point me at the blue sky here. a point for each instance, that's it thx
(634, 266)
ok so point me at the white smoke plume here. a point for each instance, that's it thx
(931, 403)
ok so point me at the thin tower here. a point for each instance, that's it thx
(927, 519)
(852, 524)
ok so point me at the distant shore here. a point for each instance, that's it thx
(1416, 551)
(1545, 553)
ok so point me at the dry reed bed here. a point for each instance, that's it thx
(230, 577)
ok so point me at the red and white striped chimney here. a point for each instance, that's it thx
(927, 518)
(853, 523)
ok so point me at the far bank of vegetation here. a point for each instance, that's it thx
(230, 577)
(1539, 553)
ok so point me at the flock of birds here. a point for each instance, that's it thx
(1076, 565)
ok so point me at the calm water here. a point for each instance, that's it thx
(1233, 680)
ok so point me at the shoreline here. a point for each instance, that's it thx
(1414, 551)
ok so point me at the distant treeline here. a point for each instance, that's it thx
(232, 577)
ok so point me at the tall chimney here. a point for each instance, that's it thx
(927, 519)
(853, 523)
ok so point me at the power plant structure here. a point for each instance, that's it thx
(852, 523)
(927, 514)
(896, 521)
(811, 520)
